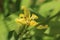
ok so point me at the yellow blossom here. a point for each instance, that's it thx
(42, 27)
(39, 27)
(26, 18)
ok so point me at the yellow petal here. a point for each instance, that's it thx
(23, 7)
(21, 21)
(21, 16)
(27, 13)
(33, 23)
(34, 16)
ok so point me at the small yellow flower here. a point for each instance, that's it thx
(26, 18)
(42, 27)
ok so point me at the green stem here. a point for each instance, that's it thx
(33, 3)
(24, 31)
(18, 5)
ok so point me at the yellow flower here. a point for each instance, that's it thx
(42, 27)
(26, 18)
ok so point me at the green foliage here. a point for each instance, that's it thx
(50, 8)
(3, 29)
(48, 12)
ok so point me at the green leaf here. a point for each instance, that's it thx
(12, 25)
(3, 29)
(54, 26)
(50, 8)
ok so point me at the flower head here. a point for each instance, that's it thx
(26, 18)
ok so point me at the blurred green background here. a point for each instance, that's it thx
(47, 10)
